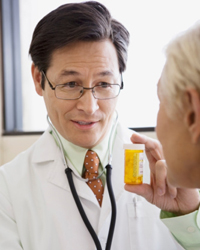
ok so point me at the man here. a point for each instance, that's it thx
(178, 130)
(79, 53)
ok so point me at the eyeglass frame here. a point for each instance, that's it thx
(54, 88)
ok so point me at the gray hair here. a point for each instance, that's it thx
(182, 68)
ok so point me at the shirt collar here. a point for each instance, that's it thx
(76, 154)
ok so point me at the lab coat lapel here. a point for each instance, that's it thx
(59, 178)
(47, 155)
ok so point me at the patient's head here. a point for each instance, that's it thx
(178, 120)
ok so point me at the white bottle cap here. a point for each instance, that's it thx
(134, 146)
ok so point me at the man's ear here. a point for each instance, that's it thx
(192, 114)
(37, 78)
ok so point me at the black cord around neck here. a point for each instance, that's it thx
(81, 210)
(113, 205)
(68, 172)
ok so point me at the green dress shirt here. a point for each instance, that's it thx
(185, 228)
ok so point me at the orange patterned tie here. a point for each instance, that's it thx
(91, 164)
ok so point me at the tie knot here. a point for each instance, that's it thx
(91, 162)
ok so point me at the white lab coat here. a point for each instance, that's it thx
(37, 210)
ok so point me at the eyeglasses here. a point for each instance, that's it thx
(73, 91)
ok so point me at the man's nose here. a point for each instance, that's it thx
(88, 103)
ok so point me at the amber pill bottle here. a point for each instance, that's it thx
(133, 163)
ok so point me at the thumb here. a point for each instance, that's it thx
(143, 190)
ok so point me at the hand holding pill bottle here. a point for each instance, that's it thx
(133, 163)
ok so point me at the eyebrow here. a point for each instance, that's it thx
(105, 73)
(76, 73)
(69, 73)
(73, 72)
(158, 90)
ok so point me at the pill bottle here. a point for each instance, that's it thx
(133, 163)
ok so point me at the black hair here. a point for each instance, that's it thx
(70, 23)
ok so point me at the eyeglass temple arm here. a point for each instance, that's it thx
(51, 86)
(122, 82)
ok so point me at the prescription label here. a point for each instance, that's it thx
(133, 166)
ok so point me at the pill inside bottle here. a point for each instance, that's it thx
(133, 163)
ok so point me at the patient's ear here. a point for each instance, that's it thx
(37, 78)
(192, 114)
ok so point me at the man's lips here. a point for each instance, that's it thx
(83, 122)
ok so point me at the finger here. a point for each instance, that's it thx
(160, 177)
(143, 190)
(172, 190)
(153, 147)
(138, 138)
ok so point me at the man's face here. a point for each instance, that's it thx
(172, 133)
(85, 121)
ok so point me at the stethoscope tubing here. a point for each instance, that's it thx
(113, 205)
(68, 172)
